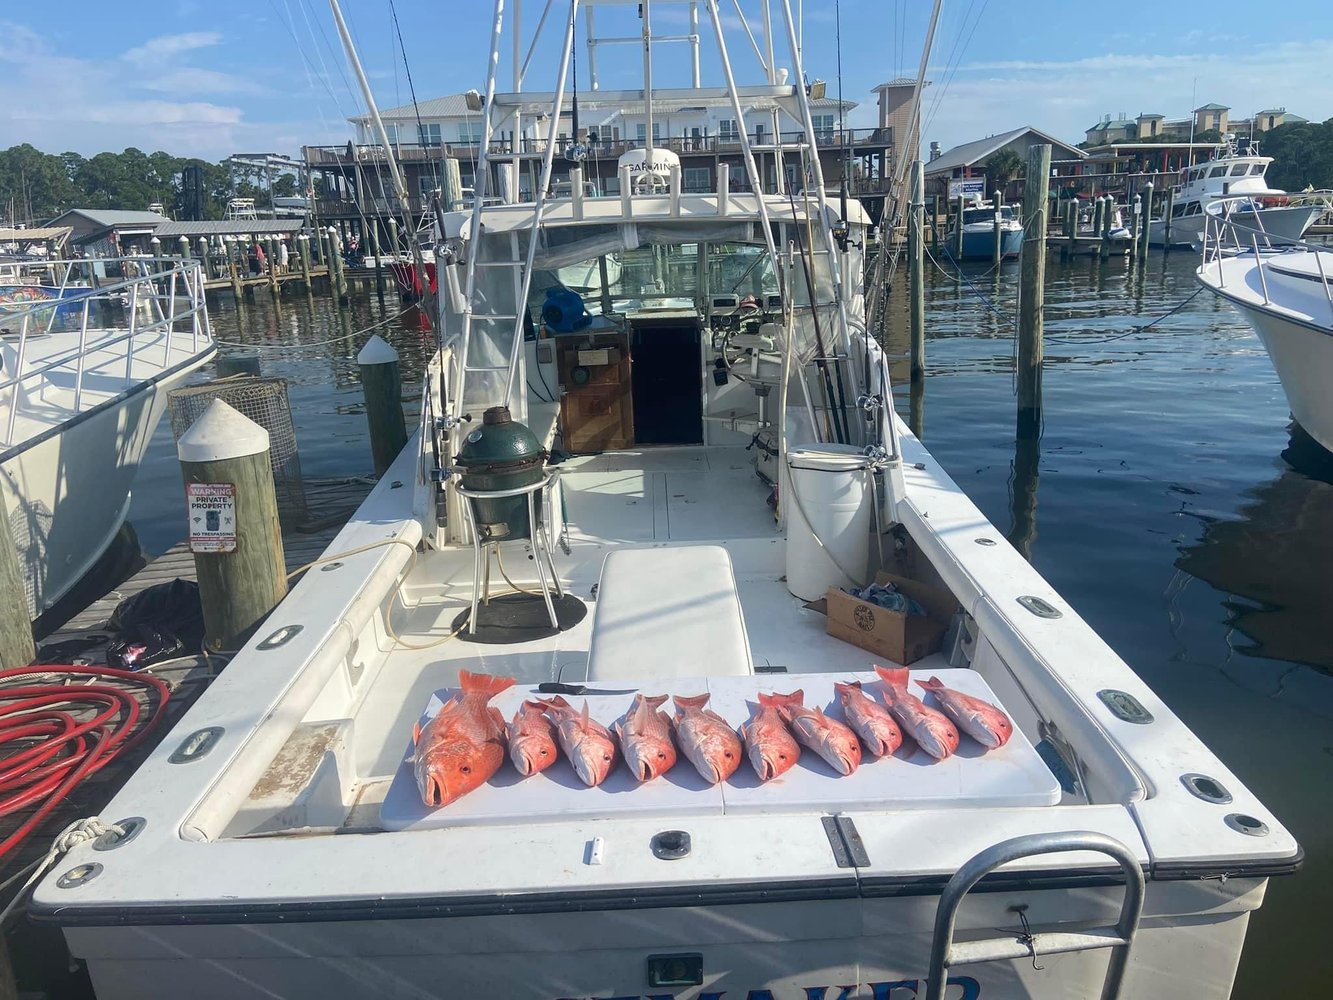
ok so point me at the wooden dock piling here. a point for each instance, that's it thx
(1145, 228)
(381, 383)
(917, 270)
(1108, 220)
(997, 249)
(935, 223)
(303, 248)
(379, 266)
(1135, 214)
(1032, 294)
(958, 233)
(237, 545)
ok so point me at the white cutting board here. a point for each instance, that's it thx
(1013, 775)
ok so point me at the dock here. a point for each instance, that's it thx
(1086, 246)
(331, 503)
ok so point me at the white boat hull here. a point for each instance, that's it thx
(1286, 223)
(64, 507)
(1302, 355)
(851, 949)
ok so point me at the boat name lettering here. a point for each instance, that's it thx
(898, 989)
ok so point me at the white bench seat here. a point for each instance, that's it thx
(668, 611)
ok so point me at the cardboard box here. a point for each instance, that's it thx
(897, 637)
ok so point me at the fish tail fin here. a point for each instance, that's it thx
(655, 701)
(932, 684)
(483, 683)
(690, 701)
(894, 677)
(775, 700)
(847, 688)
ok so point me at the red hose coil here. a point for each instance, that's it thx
(46, 750)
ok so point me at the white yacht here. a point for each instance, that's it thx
(87, 361)
(1285, 290)
(276, 843)
(1228, 175)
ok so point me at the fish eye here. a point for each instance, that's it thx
(606, 756)
(726, 754)
(545, 752)
(465, 769)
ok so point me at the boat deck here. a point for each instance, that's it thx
(332, 502)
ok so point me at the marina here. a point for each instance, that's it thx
(740, 560)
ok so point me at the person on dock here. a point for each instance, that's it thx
(261, 259)
(283, 257)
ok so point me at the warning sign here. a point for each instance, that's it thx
(212, 516)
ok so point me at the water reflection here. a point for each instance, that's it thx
(1272, 560)
(1023, 478)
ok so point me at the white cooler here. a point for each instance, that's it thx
(828, 518)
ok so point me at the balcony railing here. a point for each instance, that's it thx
(604, 146)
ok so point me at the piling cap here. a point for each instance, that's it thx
(220, 433)
(377, 352)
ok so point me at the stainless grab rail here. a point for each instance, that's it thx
(946, 952)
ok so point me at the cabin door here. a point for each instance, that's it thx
(668, 381)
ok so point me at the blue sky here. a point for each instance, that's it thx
(207, 78)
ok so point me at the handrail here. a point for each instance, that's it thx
(112, 321)
(946, 952)
(1223, 234)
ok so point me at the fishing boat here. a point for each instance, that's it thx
(668, 489)
(1284, 289)
(979, 232)
(1233, 173)
(87, 363)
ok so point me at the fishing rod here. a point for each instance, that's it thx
(826, 387)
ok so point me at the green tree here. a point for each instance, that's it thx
(1302, 156)
(1001, 167)
(33, 185)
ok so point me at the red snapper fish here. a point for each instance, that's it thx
(979, 719)
(769, 745)
(829, 738)
(869, 720)
(532, 739)
(706, 739)
(464, 745)
(645, 737)
(933, 732)
(587, 743)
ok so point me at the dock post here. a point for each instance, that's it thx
(997, 251)
(272, 251)
(1166, 219)
(303, 248)
(381, 383)
(17, 648)
(234, 530)
(935, 224)
(1146, 225)
(379, 267)
(204, 256)
(452, 182)
(234, 266)
(1108, 217)
(1071, 225)
(958, 234)
(917, 271)
(1135, 216)
(393, 238)
(1032, 294)
(184, 243)
(1098, 206)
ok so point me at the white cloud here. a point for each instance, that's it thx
(149, 97)
(1064, 97)
(166, 47)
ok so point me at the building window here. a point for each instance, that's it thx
(467, 132)
(1270, 121)
(429, 135)
(641, 132)
(823, 127)
(727, 130)
(697, 179)
(392, 132)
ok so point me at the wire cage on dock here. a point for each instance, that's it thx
(262, 399)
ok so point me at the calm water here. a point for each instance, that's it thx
(1167, 510)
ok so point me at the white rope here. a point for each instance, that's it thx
(81, 831)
